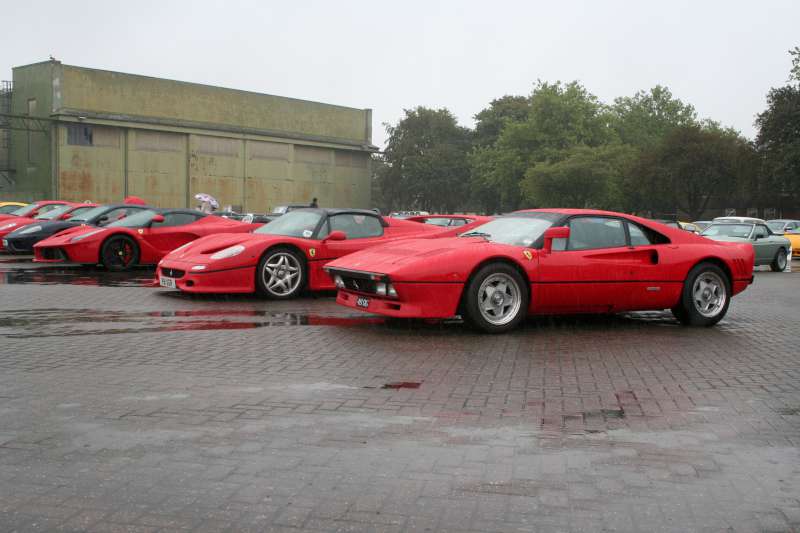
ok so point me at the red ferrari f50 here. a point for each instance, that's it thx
(547, 261)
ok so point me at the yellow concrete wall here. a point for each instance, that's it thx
(127, 94)
(157, 167)
(267, 182)
(216, 167)
(95, 173)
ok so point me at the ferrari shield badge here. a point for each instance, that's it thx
(528, 255)
(312, 252)
(141, 231)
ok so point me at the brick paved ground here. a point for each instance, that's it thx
(125, 408)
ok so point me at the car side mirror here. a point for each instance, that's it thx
(158, 219)
(102, 220)
(337, 235)
(561, 232)
(65, 216)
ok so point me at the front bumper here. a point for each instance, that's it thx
(234, 280)
(415, 300)
(20, 245)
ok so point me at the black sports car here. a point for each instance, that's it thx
(23, 239)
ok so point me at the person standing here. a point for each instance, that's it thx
(314, 203)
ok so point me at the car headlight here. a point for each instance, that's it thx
(339, 282)
(385, 289)
(8, 226)
(228, 252)
(30, 229)
(83, 236)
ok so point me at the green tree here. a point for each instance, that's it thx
(778, 138)
(561, 116)
(426, 162)
(584, 177)
(489, 122)
(691, 166)
(646, 117)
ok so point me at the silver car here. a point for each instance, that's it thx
(770, 249)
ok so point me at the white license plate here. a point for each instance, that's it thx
(362, 302)
(167, 282)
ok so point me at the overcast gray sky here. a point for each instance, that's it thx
(720, 56)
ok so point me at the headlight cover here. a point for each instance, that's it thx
(83, 236)
(231, 251)
(30, 229)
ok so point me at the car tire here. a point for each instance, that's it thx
(705, 297)
(485, 311)
(118, 253)
(281, 274)
(779, 261)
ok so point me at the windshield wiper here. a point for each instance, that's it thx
(476, 234)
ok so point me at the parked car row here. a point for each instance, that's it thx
(492, 271)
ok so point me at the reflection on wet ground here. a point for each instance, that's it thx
(69, 322)
(75, 275)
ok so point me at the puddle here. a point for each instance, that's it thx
(402, 385)
(86, 276)
(70, 322)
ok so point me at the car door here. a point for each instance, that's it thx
(362, 231)
(175, 231)
(587, 273)
(764, 246)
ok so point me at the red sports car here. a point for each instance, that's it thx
(448, 221)
(548, 261)
(32, 210)
(282, 258)
(139, 239)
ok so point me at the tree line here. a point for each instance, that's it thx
(561, 146)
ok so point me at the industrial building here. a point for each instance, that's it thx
(84, 134)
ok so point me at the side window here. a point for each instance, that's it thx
(459, 222)
(45, 208)
(761, 232)
(114, 215)
(175, 219)
(638, 237)
(595, 232)
(356, 226)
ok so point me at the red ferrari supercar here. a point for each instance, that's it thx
(17, 222)
(548, 261)
(139, 239)
(285, 256)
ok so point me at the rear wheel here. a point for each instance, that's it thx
(496, 299)
(281, 274)
(779, 261)
(119, 252)
(705, 297)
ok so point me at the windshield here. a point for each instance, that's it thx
(24, 211)
(728, 230)
(54, 213)
(777, 227)
(90, 214)
(8, 209)
(293, 224)
(137, 220)
(516, 230)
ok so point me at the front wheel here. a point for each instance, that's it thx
(779, 262)
(496, 299)
(281, 274)
(119, 252)
(705, 297)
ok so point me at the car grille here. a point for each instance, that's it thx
(359, 284)
(52, 254)
(172, 272)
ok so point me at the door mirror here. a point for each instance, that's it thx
(157, 219)
(337, 235)
(65, 216)
(102, 221)
(561, 232)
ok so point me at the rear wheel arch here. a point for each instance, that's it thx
(714, 261)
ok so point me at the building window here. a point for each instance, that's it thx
(79, 135)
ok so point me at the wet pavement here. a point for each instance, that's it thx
(126, 407)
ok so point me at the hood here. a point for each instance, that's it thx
(446, 259)
(48, 228)
(200, 249)
(14, 223)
